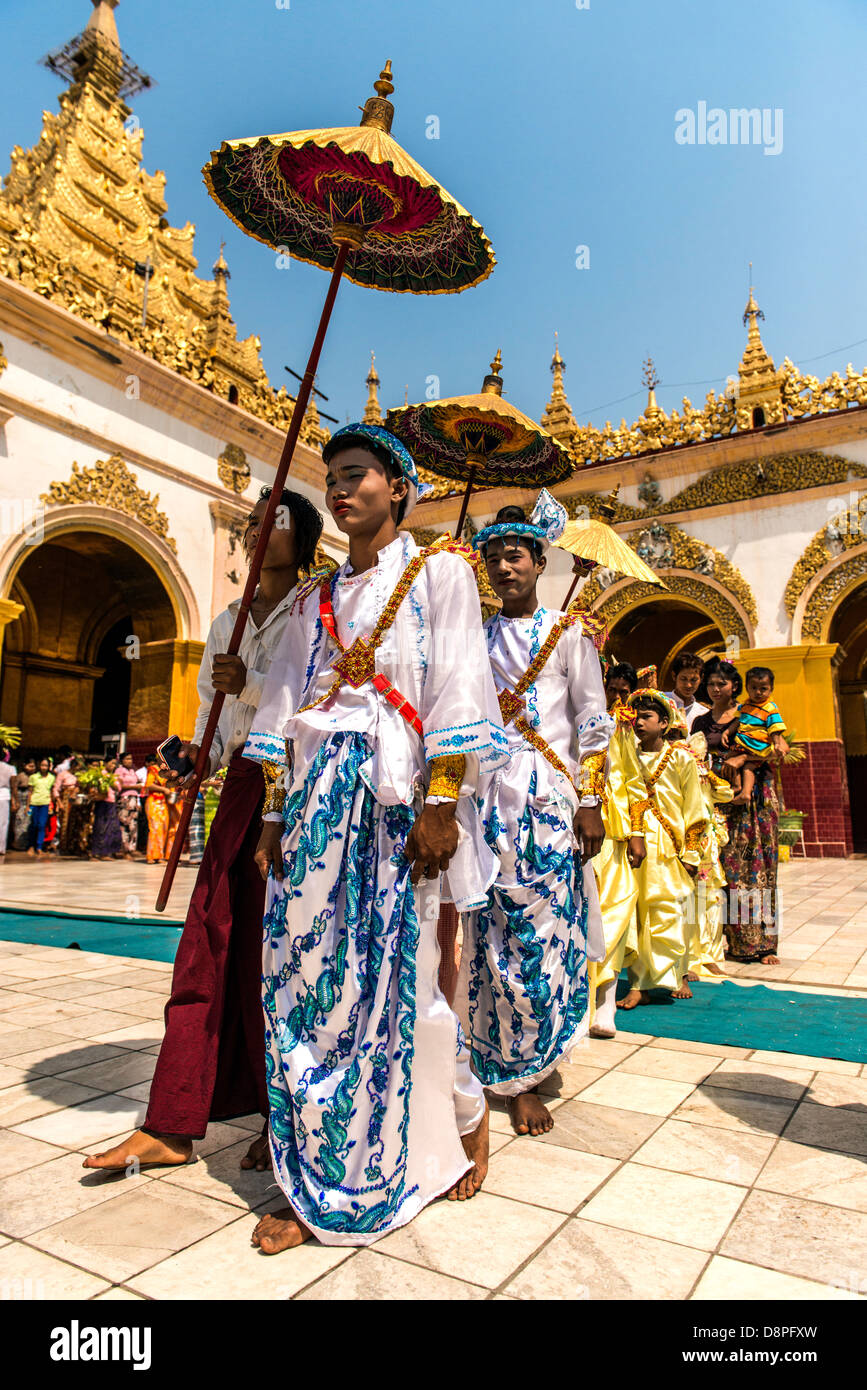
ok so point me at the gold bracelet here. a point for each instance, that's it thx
(275, 788)
(591, 775)
(636, 816)
(447, 775)
(695, 836)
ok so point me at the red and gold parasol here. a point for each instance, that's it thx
(480, 439)
(351, 200)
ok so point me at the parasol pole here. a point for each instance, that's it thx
(580, 568)
(466, 502)
(345, 240)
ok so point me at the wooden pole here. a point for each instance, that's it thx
(466, 502)
(203, 762)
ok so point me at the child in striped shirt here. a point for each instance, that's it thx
(760, 729)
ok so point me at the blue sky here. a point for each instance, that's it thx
(557, 130)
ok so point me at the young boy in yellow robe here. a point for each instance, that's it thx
(673, 817)
(708, 949)
(621, 854)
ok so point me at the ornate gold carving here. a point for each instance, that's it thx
(109, 483)
(233, 468)
(842, 532)
(79, 221)
(826, 594)
(709, 599)
(667, 548)
(738, 482)
(4, 361)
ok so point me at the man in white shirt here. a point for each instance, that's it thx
(212, 1061)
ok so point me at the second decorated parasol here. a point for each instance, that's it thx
(480, 439)
(351, 200)
(595, 544)
(477, 439)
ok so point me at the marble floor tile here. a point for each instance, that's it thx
(121, 1000)
(599, 1129)
(730, 1280)
(829, 1088)
(827, 1127)
(137, 1036)
(727, 1109)
(370, 1277)
(603, 1052)
(547, 1176)
(11, 1076)
(654, 1202)
(817, 1175)
(708, 1049)
(119, 1295)
(142, 1227)
(96, 1026)
(30, 1274)
(18, 1151)
(482, 1241)
(219, 1175)
(83, 1125)
(66, 1055)
(40, 1095)
(706, 1152)
(650, 1095)
(42, 1196)
(588, 1261)
(227, 1266)
(810, 1239)
(761, 1078)
(670, 1065)
(569, 1079)
(128, 1069)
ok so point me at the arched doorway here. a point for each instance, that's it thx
(87, 593)
(655, 632)
(849, 628)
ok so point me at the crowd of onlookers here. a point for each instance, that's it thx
(88, 807)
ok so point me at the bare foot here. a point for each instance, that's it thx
(529, 1115)
(634, 998)
(770, 960)
(258, 1155)
(691, 976)
(604, 1033)
(684, 992)
(142, 1150)
(715, 969)
(476, 1146)
(740, 800)
(280, 1230)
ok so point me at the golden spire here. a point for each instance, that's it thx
(759, 400)
(650, 377)
(372, 411)
(557, 418)
(378, 111)
(493, 382)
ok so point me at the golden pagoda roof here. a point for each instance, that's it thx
(557, 418)
(85, 225)
(372, 411)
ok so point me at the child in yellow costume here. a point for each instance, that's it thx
(708, 952)
(621, 854)
(674, 819)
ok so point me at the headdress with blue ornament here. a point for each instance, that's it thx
(364, 435)
(547, 521)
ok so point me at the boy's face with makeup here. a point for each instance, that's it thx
(359, 493)
(512, 569)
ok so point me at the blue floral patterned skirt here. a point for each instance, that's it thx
(362, 1051)
(525, 956)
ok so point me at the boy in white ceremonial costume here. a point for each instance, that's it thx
(387, 708)
(524, 963)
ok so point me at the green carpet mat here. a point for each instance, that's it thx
(146, 937)
(772, 1020)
